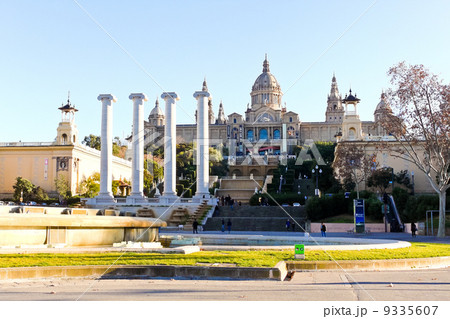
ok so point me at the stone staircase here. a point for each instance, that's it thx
(178, 217)
(240, 189)
(257, 218)
(201, 210)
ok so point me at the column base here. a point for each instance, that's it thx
(168, 198)
(104, 199)
(199, 197)
(136, 199)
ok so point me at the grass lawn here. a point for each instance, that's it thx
(267, 258)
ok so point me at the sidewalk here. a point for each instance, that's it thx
(395, 236)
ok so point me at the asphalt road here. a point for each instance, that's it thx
(431, 284)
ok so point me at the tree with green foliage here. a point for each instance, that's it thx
(24, 188)
(90, 187)
(93, 141)
(62, 186)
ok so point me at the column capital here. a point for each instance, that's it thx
(170, 95)
(198, 94)
(141, 96)
(107, 97)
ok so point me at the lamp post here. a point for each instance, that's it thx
(412, 181)
(317, 171)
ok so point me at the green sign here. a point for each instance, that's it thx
(299, 249)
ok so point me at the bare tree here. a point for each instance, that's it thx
(420, 123)
(351, 162)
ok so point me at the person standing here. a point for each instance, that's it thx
(195, 227)
(223, 225)
(413, 229)
(293, 225)
(323, 230)
(229, 225)
(288, 224)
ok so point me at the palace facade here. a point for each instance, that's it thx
(266, 121)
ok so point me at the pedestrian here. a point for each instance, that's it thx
(223, 225)
(413, 229)
(240, 203)
(222, 200)
(195, 227)
(229, 225)
(288, 224)
(323, 230)
(293, 225)
(231, 203)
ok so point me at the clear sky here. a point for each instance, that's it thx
(49, 47)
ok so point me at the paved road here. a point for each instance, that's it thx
(397, 236)
(333, 286)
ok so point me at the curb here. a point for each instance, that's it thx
(118, 272)
(386, 264)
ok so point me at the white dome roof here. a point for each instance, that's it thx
(266, 80)
(156, 110)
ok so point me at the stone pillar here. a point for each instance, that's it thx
(202, 143)
(105, 194)
(137, 183)
(170, 143)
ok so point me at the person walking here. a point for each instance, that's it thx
(293, 225)
(223, 225)
(231, 203)
(229, 225)
(195, 227)
(288, 224)
(323, 230)
(413, 229)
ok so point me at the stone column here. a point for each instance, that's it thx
(105, 194)
(202, 143)
(170, 136)
(137, 183)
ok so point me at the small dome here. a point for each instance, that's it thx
(382, 105)
(156, 110)
(266, 80)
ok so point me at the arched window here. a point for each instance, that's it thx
(263, 134)
(352, 133)
(64, 139)
(290, 119)
(276, 135)
(234, 120)
(250, 135)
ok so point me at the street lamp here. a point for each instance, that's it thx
(317, 171)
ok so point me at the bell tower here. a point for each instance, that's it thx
(67, 132)
(335, 111)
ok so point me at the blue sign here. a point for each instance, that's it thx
(358, 206)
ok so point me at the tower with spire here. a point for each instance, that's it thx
(67, 132)
(335, 111)
(221, 119)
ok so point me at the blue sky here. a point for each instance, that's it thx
(51, 47)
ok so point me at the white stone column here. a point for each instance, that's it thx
(105, 194)
(170, 143)
(137, 182)
(202, 144)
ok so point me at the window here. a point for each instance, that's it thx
(276, 135)
(290, 119)
(234, 120)
(263, 134)
(64, 139)
(250, 135)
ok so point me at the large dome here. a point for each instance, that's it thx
(266, 80)
(266, 91)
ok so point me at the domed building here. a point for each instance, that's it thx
(267, 126)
